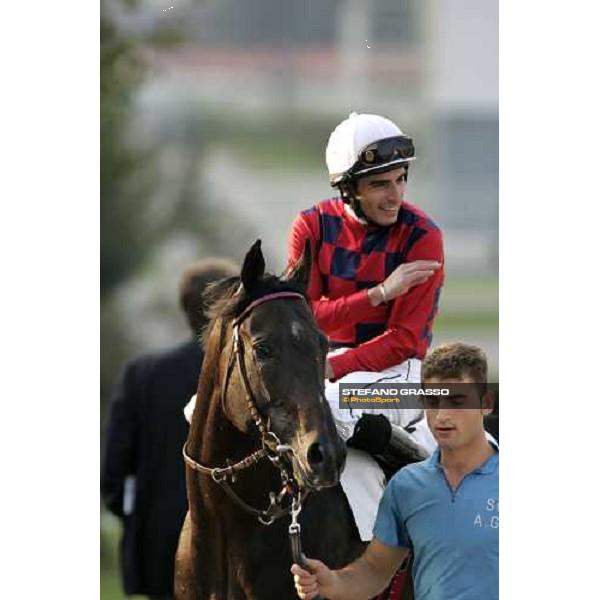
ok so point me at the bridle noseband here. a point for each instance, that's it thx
(272, 448)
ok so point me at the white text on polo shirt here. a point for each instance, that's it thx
(488, 520)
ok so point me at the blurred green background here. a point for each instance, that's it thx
(214, 120)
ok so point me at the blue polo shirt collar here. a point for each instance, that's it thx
(489, 466)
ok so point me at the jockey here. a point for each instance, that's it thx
(377, 274)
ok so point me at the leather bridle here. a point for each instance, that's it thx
(281, 455)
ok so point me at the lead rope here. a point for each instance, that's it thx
(294, 531)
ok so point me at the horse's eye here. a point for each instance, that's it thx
(263, 351)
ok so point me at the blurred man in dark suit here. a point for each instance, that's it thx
(143, 475)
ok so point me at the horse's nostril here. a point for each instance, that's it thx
(315, 455)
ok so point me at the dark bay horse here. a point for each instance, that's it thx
(262, 442)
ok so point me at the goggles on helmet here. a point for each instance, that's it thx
(383, 153)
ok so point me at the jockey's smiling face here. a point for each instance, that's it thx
(456, 421)
(381, 195)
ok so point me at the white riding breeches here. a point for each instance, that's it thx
(363, 480)
(346, 419)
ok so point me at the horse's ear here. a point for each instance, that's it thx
(300, 272)
(254, 266)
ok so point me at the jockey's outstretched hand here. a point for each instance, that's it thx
(320, 581)
(407, 275)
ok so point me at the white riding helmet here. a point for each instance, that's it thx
(366, 144)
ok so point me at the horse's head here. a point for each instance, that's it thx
(279, 362)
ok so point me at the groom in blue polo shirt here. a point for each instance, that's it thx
(444, 509)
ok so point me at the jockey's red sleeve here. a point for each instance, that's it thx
(409, 327)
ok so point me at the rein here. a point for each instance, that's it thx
(272, 448)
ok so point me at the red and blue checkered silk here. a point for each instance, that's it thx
(353, 257)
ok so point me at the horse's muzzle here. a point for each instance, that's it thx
(325, 459)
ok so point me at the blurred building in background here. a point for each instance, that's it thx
(238, 115)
